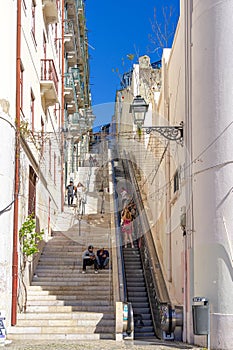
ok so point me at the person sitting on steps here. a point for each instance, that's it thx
(89, 259)
(102, 258)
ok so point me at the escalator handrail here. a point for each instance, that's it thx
(119, 239)
(156, 304)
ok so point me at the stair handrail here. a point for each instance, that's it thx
(121, 269)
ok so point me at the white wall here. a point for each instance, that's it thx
(212, 101)
(31, 55)
(7, 132)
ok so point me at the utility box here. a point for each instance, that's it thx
(201, 316)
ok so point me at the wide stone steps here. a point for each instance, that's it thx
(68, 302)
(70, 278)
(71, 271)
(66, 298)
(59, 316)
(76, 289)
(62, 336)
(62, 284)
(73, 239)
(69, 323)
(82, 329)
(63, 303)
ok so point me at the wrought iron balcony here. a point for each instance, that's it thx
(81, 18)
(72, 86)
(69, 87)
(81, 22)
(71, 92)
(77, 79)
(49, 82)
(69, 34)
(72, 10)
(50, 10)
(72, 58)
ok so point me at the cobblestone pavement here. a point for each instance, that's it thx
(97, 345)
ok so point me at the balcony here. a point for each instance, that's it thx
(49, 82)
(71, 107)
(71, 9)
(69, 35)
(72, 58)
(80, 99)
(77, 125)
(69, 87)
(50, 11)
(77, 79)
(81, 21)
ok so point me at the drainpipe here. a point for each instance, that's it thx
(168, 222)
(168, 208)
(187, 234)
(17, 165)
(62, 104)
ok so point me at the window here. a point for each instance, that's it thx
(32, 192)
(56, 112)
(21, 86)
(42, 136)
(44, 46)
(176, 181)
(50, 156)
(32, 120)
(33, 22)
(55, 168)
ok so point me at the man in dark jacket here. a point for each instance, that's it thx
(89, 259)
(70, 193)
(102, 258)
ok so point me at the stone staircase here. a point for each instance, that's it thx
(62, 303)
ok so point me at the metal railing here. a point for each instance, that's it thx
(128, 320)
(48, 72)
(119, 240)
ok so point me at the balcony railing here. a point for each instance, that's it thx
(68, 27)
(81, 21)
(48, 72)
(49, 81)
(70, 39)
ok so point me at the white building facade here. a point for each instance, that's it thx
(45, 113)
(209, 28)
(187, 190)
(30, 118)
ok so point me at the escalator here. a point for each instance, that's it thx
(137, 293)
(145, 287)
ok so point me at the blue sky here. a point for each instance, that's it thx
(116, 29)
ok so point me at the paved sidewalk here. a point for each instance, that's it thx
(97, 345)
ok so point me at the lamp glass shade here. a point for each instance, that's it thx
(139, 107)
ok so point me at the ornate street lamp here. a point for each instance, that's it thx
(139, 107)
